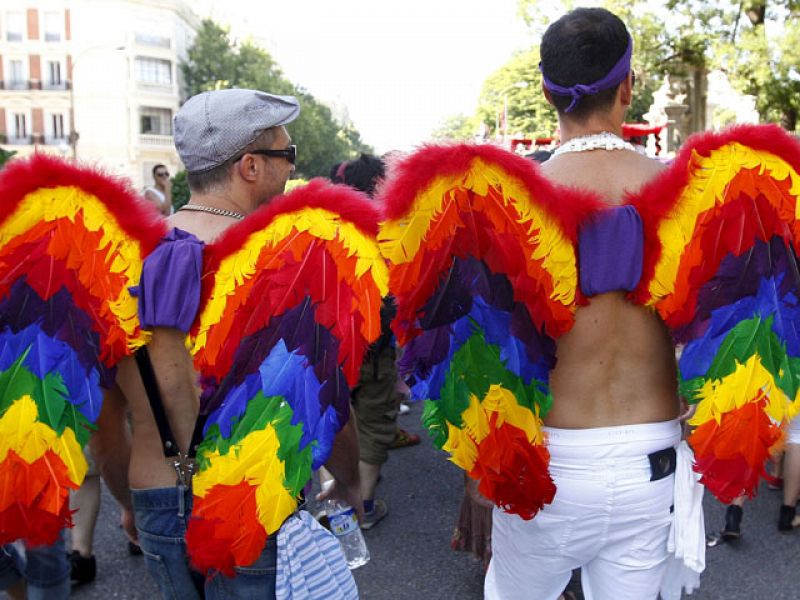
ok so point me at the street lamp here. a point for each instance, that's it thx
(73, 134)
(518, 85)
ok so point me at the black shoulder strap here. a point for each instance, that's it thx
(156, 403)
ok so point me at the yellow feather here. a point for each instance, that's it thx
(21, 432)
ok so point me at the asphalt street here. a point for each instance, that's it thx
(410, 550)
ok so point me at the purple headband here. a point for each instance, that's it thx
(617, 73)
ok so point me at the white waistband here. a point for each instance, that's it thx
(611, 442)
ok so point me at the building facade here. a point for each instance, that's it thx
(98, 80)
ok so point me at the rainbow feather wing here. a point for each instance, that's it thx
(482, 265)
(291, 302)
(724, 277)
(71, 243)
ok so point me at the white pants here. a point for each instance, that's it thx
(793, 434)
(607, 517)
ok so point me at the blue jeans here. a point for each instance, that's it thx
(162, 516)
(45, 569)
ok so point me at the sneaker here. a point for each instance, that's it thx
(379, 510)
(786, 518)
(733, 522)
(82, 569)
(404, 408)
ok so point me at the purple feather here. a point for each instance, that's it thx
(60, 318)
(739, 277)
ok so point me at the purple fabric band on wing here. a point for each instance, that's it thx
(610, 248)
(617, 73)
(169, 290)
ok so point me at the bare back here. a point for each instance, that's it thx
(616, 366)
(177, 382)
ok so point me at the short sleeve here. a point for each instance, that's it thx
(169, 289)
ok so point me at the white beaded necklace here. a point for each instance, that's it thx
(605, 140)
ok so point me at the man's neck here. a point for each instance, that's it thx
(594, 124)
(224, 201)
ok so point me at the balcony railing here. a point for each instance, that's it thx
(61, 85)
(153, 139)
(14, 140)
(15, 84)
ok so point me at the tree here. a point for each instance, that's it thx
(5, 156)
(650, 41)
(515, 91)
(180, 190)
(215, 62)
(457, 128)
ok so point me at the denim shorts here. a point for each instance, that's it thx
(256, 581)
(162, 516)
(45, 568)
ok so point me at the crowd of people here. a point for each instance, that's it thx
(612, 430)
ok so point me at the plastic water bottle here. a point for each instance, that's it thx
(343, 523)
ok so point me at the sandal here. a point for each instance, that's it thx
(403, 438)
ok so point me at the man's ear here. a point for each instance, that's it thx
(547, 95)
(247, 167)
(626, 90)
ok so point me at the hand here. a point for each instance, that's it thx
(128, 524)
(167, 184)
(473, 492)
(350, 495)
(687, 411)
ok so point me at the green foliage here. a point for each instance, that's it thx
(5, 156)
(215, 62)
(295, 183)
(456, 128)
(516, 88)
(730, 35)
(180, 190)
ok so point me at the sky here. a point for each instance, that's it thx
(399, 68)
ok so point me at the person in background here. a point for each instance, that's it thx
(375, 398)
(160, 193)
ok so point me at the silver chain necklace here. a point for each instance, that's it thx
(605, 140)
(222, 212)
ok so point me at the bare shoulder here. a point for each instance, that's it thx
(206, 227)
(610, 174)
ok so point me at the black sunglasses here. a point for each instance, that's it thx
(163, 174)
(289, 153)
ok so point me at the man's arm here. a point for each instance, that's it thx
(110, 446)
(167, 209)
(163, 207)
(343, 465)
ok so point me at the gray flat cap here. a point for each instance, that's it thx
(213, 127)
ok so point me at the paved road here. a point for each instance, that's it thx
(411, 556)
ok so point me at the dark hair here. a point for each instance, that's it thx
(582, 47)
(333, 175)
(220, 176)
(156, 168)
(362, 173)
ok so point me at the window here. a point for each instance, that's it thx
(153, 39)
(155, 121)
(52, 26)
(14, 26)
(16, 75)
(57, 126)
(54, 71)
(20, 128)
(154, 71)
